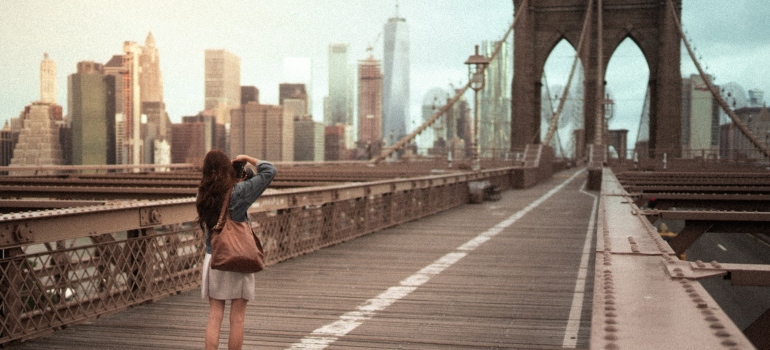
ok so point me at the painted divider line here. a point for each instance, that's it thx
(325, 335)
(576, 311)
(722, 247)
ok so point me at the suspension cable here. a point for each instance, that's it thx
(550, 108)
(555, 117)
(714, 92)
(408, 138)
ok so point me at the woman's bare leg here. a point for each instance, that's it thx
(216, 313)
(237, 316)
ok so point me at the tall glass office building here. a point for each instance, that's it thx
(495, 101)
(395, 80)
(339, 104)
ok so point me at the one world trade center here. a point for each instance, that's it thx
(395, 80)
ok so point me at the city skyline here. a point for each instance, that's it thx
(730, 38)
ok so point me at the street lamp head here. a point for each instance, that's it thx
(476, 65)
(477, 59)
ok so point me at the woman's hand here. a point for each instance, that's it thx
(245, 158)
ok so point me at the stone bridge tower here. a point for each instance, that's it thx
(647, 22)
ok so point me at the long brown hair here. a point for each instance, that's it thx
(218, 178)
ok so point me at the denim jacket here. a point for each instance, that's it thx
(245, 193)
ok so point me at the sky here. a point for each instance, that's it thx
(731, 36)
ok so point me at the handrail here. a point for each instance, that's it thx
(59, 224)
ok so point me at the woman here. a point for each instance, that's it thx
(220, 176)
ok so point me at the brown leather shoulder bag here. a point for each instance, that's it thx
(234, 245)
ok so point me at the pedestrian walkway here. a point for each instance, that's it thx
(504, 274)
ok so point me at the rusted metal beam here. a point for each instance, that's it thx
(710, 215)
(108, 182)
(703, 196)
(700, 188)
(748, 274)
(628, 278)
(757, 275)
(26, 204)
(758, 333)
(689, 234)
(19, 229)
(45, 169)
(664, 180)
(91, 192)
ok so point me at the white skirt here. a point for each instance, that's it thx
(226, 285)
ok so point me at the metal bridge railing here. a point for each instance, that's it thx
(82, 270)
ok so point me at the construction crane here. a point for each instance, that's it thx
(370, 47)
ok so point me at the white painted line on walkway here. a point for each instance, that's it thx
(324, 336)
(576, 311)
(722, 247)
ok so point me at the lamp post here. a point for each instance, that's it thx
(608, 107)
(476, 67)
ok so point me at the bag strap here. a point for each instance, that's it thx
(225, 204)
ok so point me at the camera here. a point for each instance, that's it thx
(241, 171)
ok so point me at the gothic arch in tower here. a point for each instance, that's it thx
(647, 22)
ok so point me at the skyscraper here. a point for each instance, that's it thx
(114, 68)
(249, 94)
(196, 135)
(154, 128)
(700, 118)
(91, 106)
(38, 139)
(222, 83)
(395, 81)
(188, 142)
(299, 70)
(334, 142)
(339, 104)
(308, 140)
(264, 131)
(495, 101)
(151, 79)
(369, 101)
(8, 138)
(734, 144)
(294, 91)
(48, 80)
(132, 105)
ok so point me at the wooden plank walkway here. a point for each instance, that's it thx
(500, 274)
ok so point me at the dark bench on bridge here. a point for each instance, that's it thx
(484, 190)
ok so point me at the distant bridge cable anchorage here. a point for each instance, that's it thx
(714, 92)
(408, 138)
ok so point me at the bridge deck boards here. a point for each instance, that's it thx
(513, 291)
